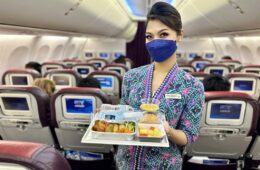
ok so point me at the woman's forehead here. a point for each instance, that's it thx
(155, 26)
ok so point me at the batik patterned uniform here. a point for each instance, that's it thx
(182, 113)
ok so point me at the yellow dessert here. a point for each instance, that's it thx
(149, 107)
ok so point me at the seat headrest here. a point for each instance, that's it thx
(202, 74)
(63, 71)
(32, 155)
(247, 66)
(244, 75)
(116, 65)
(42, 99)
(227, 95)
(217, 65)
(230, 61)
(31, 72)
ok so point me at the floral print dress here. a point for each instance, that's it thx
(181, 99)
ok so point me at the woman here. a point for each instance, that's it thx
(45, 84)
(181, 95)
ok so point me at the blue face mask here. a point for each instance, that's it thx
(160, 50)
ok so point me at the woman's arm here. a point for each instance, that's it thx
(174, 135)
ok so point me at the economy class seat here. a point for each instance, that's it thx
(129, 63)
(199, 64)
(98, 62)
(72, 110)
(63, 78)
(227, 128)
(52, 65)
(245, 82)
(17, 155)
(110, 83)
(249, 69)
(199, 75)
(118, 68)
(25, 115)
(20, 77)
(220, 69)
(187, 67)
(233, 64)
(84, 69)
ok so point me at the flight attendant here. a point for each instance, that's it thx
(181, 96)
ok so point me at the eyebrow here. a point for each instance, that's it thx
(159, 31)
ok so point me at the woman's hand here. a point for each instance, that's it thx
(167, 128)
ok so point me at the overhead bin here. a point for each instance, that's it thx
(202, 17)
(94, 17)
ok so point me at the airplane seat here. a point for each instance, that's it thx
(19, 77)
(199, 64)
(220, 69)
(252, 161)
(187, 67)
(16, 155)
(63, 78)
(52, 65)
(199, 75)
(98, 62)
(227, 127)
(25, 114)
(110, 83)
(249, 69)
(84, 69)
(72, 111)
(197, 166)
(233, 64)
(129, 63)
(69, 63)
(118, 68)
(246, 83)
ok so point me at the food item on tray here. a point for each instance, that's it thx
(149, 131)
(103, 126)
(149, 107)
(150, 118)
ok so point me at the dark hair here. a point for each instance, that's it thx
(197, 57)
(34, 65)
(89, 82)
(120, 60)
(227, 57)
(215, 82)
(167, 14)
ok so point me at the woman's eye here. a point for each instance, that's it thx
(163, 35)
(148, 37)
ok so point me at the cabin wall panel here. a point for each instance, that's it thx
(17, 50)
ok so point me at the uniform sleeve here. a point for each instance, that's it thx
(124, 91)
(190, 119)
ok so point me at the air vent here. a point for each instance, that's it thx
(236, 6)
(74, 7)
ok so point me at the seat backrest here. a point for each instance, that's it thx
(110, 83)
(84, 69)
(129, 63)
(199, 75)
(246, 83)
(30, 156)
(63, 78)
(20, 77)
(118, 68)
(199, 64)
(25, 114)
(47, 66)
(220, 69)
(228, 123)
(249, 69)
(98, 62)
(70, 62)
(233, 64)
(72, 110)
(187, 67)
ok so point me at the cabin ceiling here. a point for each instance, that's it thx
(96, 17)
(114, 18)
(209, 17)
